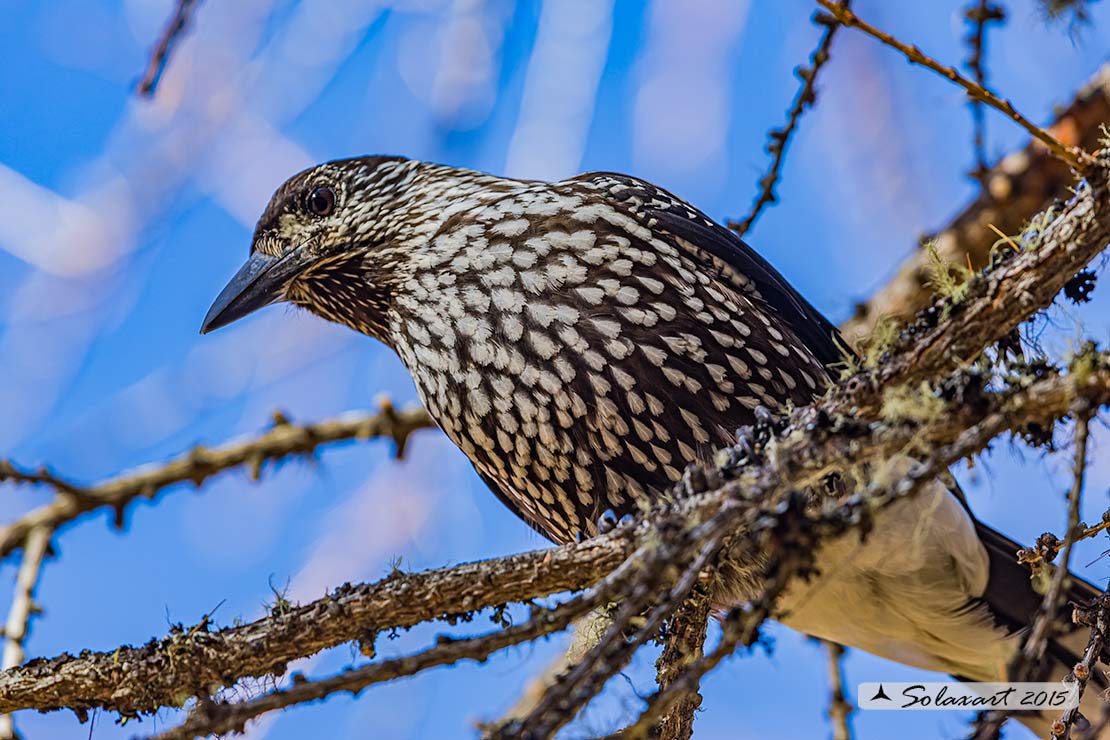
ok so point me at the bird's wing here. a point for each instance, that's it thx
(659, 210)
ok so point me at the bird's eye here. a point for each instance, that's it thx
(321, 201)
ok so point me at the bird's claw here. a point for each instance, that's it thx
(607, 522)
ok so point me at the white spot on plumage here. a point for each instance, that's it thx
(512, 327)
(627, 295)
(533, 281)
(507, 299)
(654, 355)
(619, 348)
(523, 258)
(542, 344)
(593, 359)
(510, 228)
(501, 277)
(624, 380)
(621, 267)
(606, 327)
(592, 295)
(665, 310)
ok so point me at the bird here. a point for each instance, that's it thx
(583, 341)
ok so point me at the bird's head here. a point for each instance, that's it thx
(329, 241)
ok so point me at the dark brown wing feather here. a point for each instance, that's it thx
(662, 211)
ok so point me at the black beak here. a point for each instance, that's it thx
(258, 283)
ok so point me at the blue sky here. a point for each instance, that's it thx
(120, 219)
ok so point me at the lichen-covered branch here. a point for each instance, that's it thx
(213, 718)
(171, 669)
(285, 439)
(683, 646)
(190, 662)
(673, 566)
(166, 671)
(958, 328)
(749, 497)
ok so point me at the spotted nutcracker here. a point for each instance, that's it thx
(582, 341)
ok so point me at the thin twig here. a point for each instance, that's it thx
(23, 606)
(1078, 159)
(980, 13)
(1028, 658)
(284, 439)
(1036, 555)
(1082, 671)
(586, 633)
(739, 627)
(779, 138)
(171, 36)
(840, 709)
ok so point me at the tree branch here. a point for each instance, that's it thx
(1098, 617)
(957, 329)
(683, 645)
(1078, 159)
(284, 439)
(980, 13)
(1036, 642)
(751, 497)
(214, 718)
(840, 709)
(187, 662)
(669, 567)
(1027, 658)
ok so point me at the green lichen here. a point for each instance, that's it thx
(911, 403)
(948, 280)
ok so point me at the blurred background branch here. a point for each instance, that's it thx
(283, 440)
(171, 36)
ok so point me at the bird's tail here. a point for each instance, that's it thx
(1014, 603)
